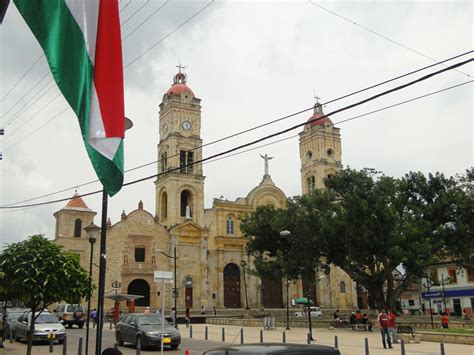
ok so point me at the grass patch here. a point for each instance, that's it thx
(450, 330)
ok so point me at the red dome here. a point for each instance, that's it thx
(178, 89)
(322, 122)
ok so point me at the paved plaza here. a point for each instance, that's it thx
(350, 342)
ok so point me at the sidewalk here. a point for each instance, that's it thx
(350, 342)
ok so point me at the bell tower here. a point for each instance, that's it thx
(180, 187)
(320, 150)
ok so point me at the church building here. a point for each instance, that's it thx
(210, 260)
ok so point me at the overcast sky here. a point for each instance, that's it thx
(250, 62)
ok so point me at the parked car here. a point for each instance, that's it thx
(46, 326)
(315, 312)
(71, 314)
(11, 318)
(145, 330)
(274, 348)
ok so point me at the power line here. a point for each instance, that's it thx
(255, 148)
(134, 13)
(145, 20)
(378, 34)
(22, 77)
(123, 8)
(21, 98)
(400, 87)
(169, 34)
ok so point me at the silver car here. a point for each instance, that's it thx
(47, 327)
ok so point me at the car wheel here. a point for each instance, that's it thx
(138, 343)
(61, 341)
(80, 325)
(118, 338)
(174, 346)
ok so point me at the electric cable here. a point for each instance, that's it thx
(169, 34)
(140, 24)
(134, 13)
(379, 35)
(123, 8)
(361, 102)
(22, 77)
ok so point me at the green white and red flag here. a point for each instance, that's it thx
(82, 43)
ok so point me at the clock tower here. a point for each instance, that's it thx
(180, 183)
(320, 150)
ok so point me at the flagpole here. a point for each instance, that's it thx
(102, 268)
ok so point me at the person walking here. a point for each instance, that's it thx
(94, 317)
(173, 316)
(187, 317)
(391, 327)
(382, 319)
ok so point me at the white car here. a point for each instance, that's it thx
(315, 312)
(46, 326)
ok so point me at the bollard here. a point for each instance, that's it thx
(261, 336)
(205, 333)
(79, 348)
(65, 345)
(241, 335)
(223, 334)
(442, 348)
(190, 332)
(139, 349)
(366, 346)
(110, 325)
(10, 330)
(402, 346)
(308, 337)
(284, 337)
(115, 346)
(336, 343)
(51, 340)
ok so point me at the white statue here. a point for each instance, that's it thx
(188, 212)
(266, 158)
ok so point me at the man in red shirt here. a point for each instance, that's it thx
(382, 319)
(392, 327)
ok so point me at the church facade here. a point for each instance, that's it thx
(211, 260)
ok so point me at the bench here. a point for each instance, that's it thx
(340, 324)
(360, 326)
(407, 333)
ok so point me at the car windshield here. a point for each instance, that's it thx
(151, 319)
(46, 318)
(73, 308)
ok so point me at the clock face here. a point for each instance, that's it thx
(187, 125)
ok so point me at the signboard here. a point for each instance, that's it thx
(448, 293)
(163, 276)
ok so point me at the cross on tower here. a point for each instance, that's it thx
(179, 66)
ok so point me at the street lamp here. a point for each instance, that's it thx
(309, 308)
(444, 281)
(92, 232)
(288, 281)
(287, 233)
(427, 285)
(243, 264)
(175, 289)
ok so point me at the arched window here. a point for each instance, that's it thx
(164, 205)
(342, 287)
(186, 202)
(311, 181)
(230, 226)
(77, 228)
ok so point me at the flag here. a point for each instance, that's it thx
(82, 43)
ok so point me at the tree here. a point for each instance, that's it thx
(383, 232)
(38, 273)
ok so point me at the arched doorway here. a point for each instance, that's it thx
(272, 291)
(189, 292)
(231, 286)
(142, 288)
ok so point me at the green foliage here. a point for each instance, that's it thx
(38, 273)
(372, 226)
